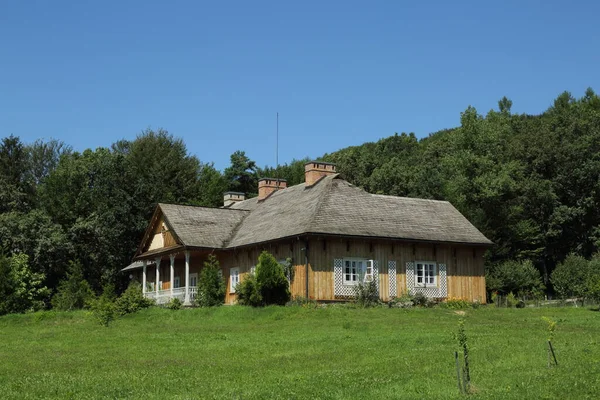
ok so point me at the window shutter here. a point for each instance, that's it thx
(369, 271)
(392, 279)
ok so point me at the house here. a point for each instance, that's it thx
(336, 235)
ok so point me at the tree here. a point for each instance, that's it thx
(16, 188)
(570, 277)
(211, 285)
(21, 290)
(519, 277)
(241, 174)
(73, 293)
(272, 283)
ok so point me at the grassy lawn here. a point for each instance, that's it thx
(337, 353)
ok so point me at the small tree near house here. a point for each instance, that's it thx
(211, 285)
(267, 286)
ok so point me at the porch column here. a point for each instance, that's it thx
(186, 300)
(157, 275)
(144, 278)
(172, 257)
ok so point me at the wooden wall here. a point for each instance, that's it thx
(465, 271)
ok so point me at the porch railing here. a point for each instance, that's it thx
(164, 296)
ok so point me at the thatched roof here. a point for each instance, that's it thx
(332, 206)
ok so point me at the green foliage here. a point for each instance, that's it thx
(174, 304)
(241, 174)
(21, 290)
(132, 300)
(268, 285)
(272, 283)
(464, 348)
(211, 285)
(403, 301)
(74, 292)
(248, 292)
(366, 294)
(515, 276)
(511, 300)
(301, 301)
(457, 304)
(550, 327)
(420, 300)
(570, 277)
(103, 308)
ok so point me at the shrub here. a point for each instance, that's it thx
(456, 304)
(132, 300)
(404, 301)
(74, 292)
(569, 277)
(511, 300)
(211, 285)
(420, 300)
(272, 283)
(21, 289)
(519, 277)
(174, 304)
(248, 293)
(366, 294)
(103, 308)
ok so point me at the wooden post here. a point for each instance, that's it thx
(552, 351)
(157, 276)
(186, 299)
(144, 278)
(172, 259)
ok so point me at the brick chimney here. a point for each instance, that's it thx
(232, 197)
(266, 186)
(315, 170)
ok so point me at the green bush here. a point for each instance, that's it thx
(456, 304)
(511, 300)
(103, 308)
(21, 289)
(272, 283)
(132, 300)
(420, 300)
(211, 285)
(248, 293)
(520, 277)
(404, 301)
(569, 278)
(73, 293)
(366, 294)
(174, 304)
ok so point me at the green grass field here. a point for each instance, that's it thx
(297, 353)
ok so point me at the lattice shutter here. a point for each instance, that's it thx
(443, 283)
(410, 277)
(392, 278)
(376, 274)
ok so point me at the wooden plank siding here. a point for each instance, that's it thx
(464, 265)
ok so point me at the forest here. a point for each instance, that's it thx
(530, 183)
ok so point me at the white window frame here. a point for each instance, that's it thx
(429, 274)
(194, 278)
(176, 282)
(234, 278)
(357, 273)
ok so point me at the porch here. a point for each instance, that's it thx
(178, 279)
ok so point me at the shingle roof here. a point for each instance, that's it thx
(331, 206)
(202, 226)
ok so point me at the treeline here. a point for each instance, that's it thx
(529, 183)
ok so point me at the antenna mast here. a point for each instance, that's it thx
(277, 144)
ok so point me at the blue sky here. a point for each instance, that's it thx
(339, 73)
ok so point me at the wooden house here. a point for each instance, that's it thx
(336, 235)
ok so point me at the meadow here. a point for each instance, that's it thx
(298, 353)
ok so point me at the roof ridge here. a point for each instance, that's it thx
(203, 207)
(406, 197)
(321, 200)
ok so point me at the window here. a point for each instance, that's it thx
(426, 274)
(194, 280)
(177, 282)
(234, 273)
(357, 270)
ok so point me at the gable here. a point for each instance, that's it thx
(159, 234)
